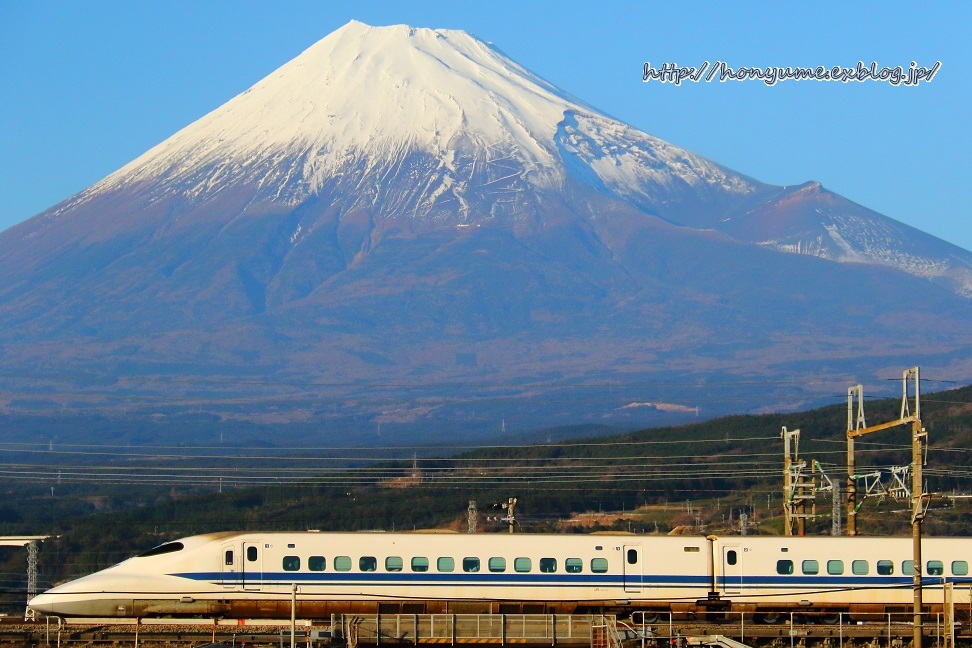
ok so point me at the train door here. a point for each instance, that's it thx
(230, 559)
(252, 565)
(632, 568)
(732, 569)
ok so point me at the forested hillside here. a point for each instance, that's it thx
(692, 479)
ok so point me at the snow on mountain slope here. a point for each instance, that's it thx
(437, 126)
(811, 220)
(399, 205)
(373, 98)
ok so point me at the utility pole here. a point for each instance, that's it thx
(791, 445)
(471, 515)
(508, 507)
(798, 489)
(854, 425)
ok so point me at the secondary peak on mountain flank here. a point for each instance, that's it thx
(425, 229)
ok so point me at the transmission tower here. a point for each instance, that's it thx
(833, 487)
(836, 528)
(31, 576)
(31, 542)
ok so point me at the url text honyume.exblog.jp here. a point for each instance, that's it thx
(721, 71)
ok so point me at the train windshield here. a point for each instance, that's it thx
(168, 547)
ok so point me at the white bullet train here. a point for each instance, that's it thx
(251, 575)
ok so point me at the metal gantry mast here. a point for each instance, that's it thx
(919, 501)
(856, 427)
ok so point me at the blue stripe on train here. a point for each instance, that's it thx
(440, 579)
(387, 579)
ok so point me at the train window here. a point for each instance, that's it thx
(291, 563)
(935, 568)
(908, 567)
(885, 567)
(228, 557)
(960, 568)
(394, 563)
(810, 567)
(470, 564)
(420, 564)
(168, 547)
(445, 564)
(860, 567)
(522, 564)
(251, 554)
(497, 565)
(632, 556)
(368, 563)
(342, 563)
(731, 557)
(784, 567)
(548, 565)
(316, 563)
(573, 565)
(599, 565)
(835, 567)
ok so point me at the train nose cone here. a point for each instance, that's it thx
(43, 603)
(74, 604)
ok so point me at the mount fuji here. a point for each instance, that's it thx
(403, 227)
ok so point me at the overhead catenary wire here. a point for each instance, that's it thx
(153, 464)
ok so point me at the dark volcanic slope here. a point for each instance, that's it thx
(405, 226)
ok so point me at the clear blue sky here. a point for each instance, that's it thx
(87, 86)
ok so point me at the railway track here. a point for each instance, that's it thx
(450, 630)
(170, 634)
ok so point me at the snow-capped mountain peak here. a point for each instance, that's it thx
(414, 220)
(368, 98)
